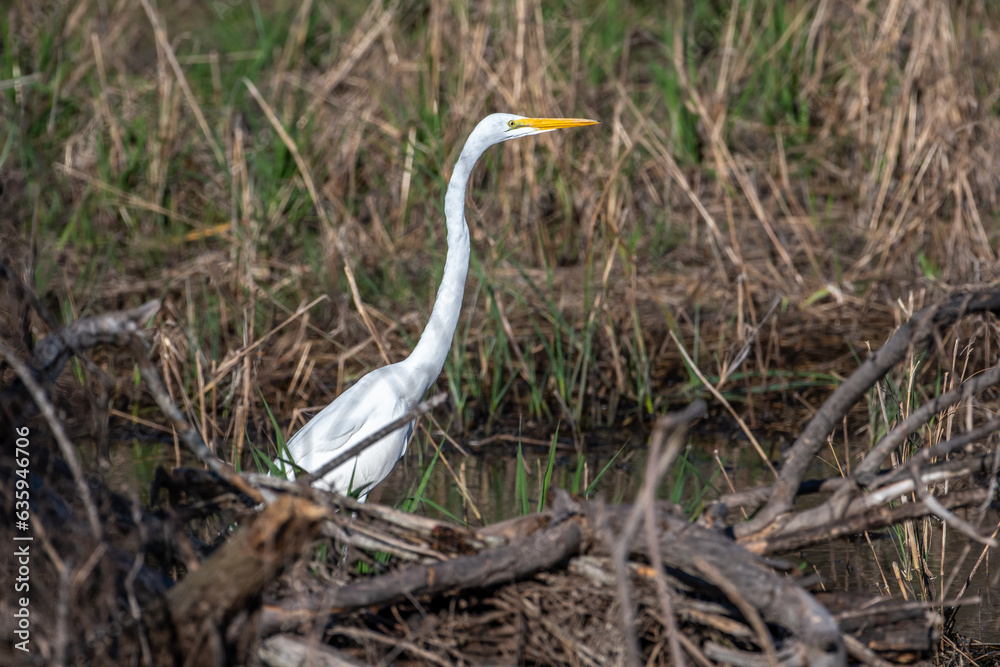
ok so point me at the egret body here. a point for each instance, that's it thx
(389, 392)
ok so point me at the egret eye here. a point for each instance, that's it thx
(511, 124)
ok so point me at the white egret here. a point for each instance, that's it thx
(389, 392)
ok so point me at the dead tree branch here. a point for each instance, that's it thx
(914, 334)
(205, 602)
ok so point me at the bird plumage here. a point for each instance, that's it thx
(389, 392)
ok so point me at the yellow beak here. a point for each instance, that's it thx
(556, 123)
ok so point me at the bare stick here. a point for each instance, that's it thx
(65, 446)
(619, 544)
(941, 512)
(872, 519)
(858, 650)
(292, 650)
(661, 463)
(751, 339)
(938, 451)
(188, 434)
(749, 611)
(114, 328)
(47, 361)
(7, 273)
(547, 547)
(842, 507)
(921, 416)
(916, 332)
(232, 579)
(885, 487)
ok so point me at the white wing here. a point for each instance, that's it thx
(375, 400)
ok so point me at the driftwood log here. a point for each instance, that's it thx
(116, 580)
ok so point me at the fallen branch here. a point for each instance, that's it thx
(506, 564)
(914, 334)
(50, 355)
(205, 602)
(872, 519)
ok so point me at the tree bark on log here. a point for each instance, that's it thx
(205, 603)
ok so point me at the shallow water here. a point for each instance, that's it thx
(855, 565)
(869, 566)
(488, 475)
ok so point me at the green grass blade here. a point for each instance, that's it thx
(547, 480)
(521, 484)
(607, 466)
(412, 502)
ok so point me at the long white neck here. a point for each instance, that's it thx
(428, 357)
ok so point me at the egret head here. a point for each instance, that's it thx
(499, 127)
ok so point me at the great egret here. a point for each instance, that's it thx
(389, 392)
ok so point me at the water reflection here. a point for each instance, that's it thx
(703, 471)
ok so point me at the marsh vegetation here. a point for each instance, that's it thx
(774, 190)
